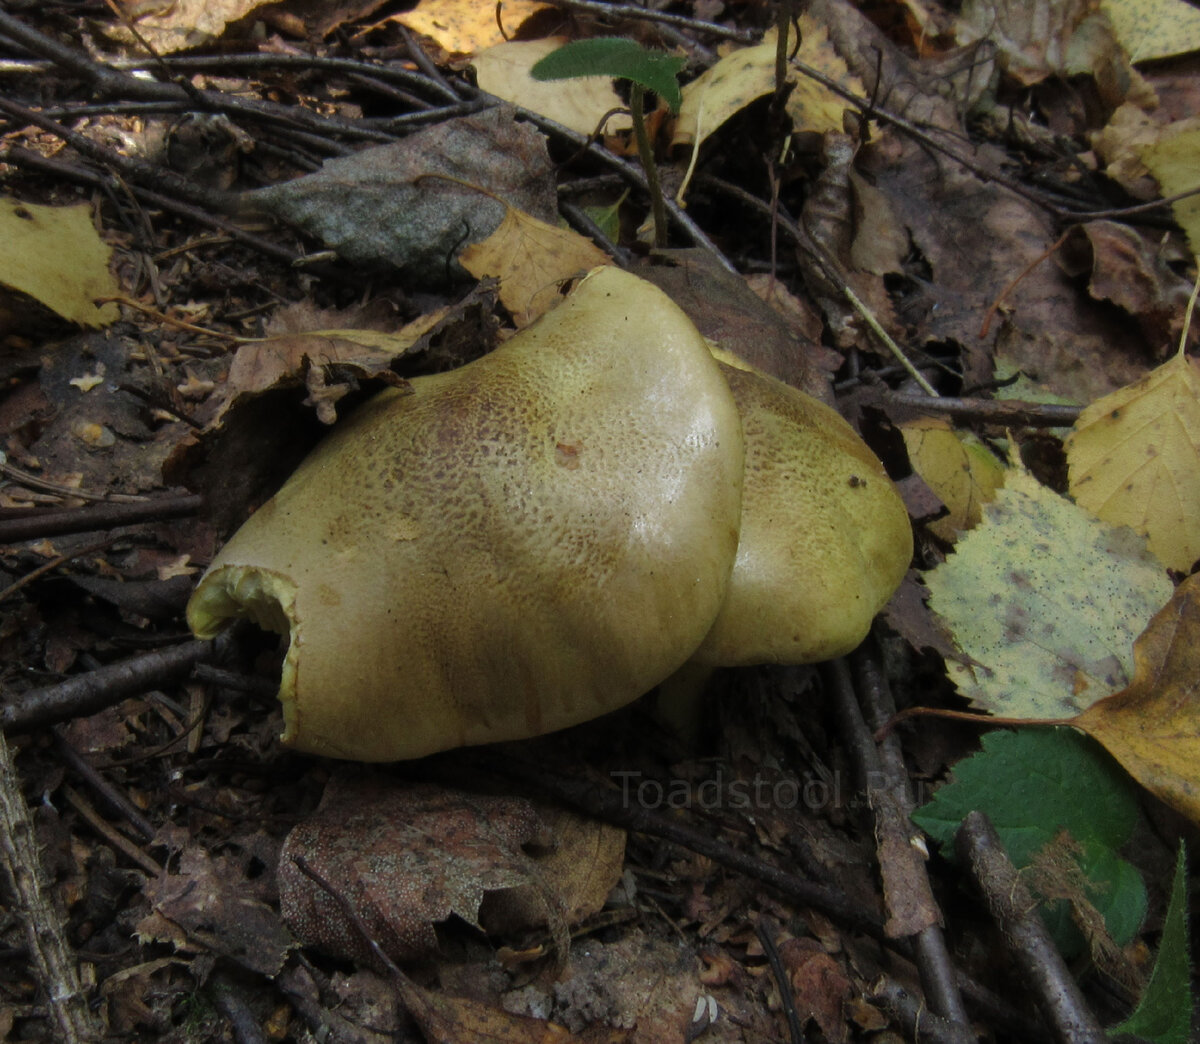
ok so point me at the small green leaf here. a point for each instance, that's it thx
(1164, 1014)
(1033, 784)
(618, 58)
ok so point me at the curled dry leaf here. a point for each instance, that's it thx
(532, 260)
(407, 858)
(1152, 727)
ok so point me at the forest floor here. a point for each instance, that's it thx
(329, 178)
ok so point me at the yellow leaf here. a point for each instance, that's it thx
(959, 468)
(1151, 29)
(1134, 460)
(1174, 160)
(467, 26)
(1153, 727)
(531, 259)
(54, 255)
(1044, 601)
(741, 77)
(580, 104)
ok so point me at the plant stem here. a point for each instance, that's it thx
(646, 154)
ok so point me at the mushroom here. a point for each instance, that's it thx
(825, 538)
(516, 546)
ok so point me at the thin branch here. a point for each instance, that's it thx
(87, 693)
(646, 14)
(1016, 914)
(45, 931)
(38, 524)
(1009, 412)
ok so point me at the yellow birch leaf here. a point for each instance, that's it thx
(959, 468)
(1134, 459)
(1044, 601)
(531, 259)
(54, 255)
(1150, 29)
(1153, 727)
(580, 104)
(466, 26)
(1174, 160)
(741, 77)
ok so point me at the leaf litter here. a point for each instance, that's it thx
(134, 415)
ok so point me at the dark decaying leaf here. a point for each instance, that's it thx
(388, 204)
(406, 858)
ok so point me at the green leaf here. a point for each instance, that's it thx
(1034, 784)
(618, 58)
(1164, 1014)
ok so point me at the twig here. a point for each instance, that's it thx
(787, 995)
(1009, 412)
(924, 1026)
(912, 910)
(647, 14)
(37, 524)
(87, 693)
(54, 563)
(106, 831)
(932, 954)
(86, 176)
(109, 795)
(45, 486)
(45, 931)
(1016, 914)
(111, 83)
(135, 169)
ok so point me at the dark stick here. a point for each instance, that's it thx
(87, 693)
(787, 995)
(1015, 912)
(924, 1025)
(97, 516)
(993, 411)
(932, 954)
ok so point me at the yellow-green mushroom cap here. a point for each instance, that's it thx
(516, 546)
(825, 537)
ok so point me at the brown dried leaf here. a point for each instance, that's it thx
(532, 260)
(206, 903)
(406, 858)
(1152, 727)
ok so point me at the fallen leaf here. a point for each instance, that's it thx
(958, 467)
(1150, 29)
(532, 260)
(467, 26)
(1152, 727)
(54, 255)
(1032, 37)
(741, 77)
(580, 104)
(417, 203)
(180, 25)
(309, 358)
(820, 985)
(406, 858)
(207, 903)
(1047, 601)
(1132, 271)
(1134, 460)
(1174, 160)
